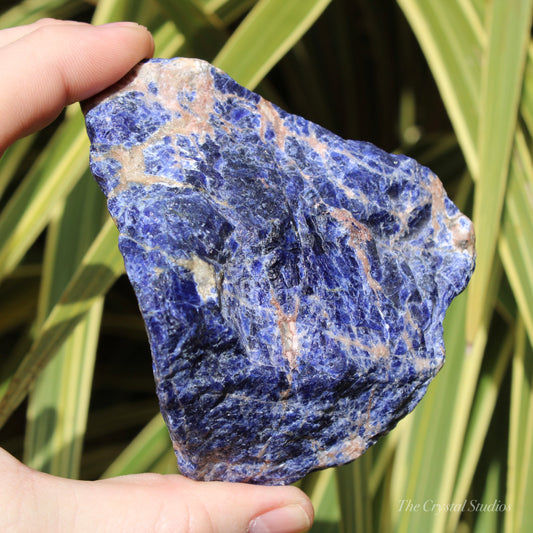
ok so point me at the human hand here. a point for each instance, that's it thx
(52, 63)
(33, 501)
(46, 66)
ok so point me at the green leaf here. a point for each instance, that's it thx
(489, 521)
(517, 228)
(59, 402)
(18, 299)
(451, 40)
(526, 110)
(354, 497)
(99, 269)
(321, 488)
(11, 161)
(269, 30)
(203, 31)
(501, 84)
(47, 184)
(32, 10)
(168, 41)
(144, 452)
(520, 463)
(228, 11)
(118, 10)
(484, 403)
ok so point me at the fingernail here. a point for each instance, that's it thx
(288, 519)
(123, 24)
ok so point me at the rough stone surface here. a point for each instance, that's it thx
(293, 284)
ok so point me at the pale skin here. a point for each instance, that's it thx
(46, 66)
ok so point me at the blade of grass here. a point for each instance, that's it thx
(32, 10)
(166, 464)
(488, 522)
(526, 110)
(354, 498)
(12, 159)
(99, 269)
(228, 11)
(482, 412)
(115, 11)
(381, 465)
(148, 447)
(520, 457)
(203, 32)
(269, 30)
(517, 229)
(324, 497)
(168, 41)
(69, 236)
(303, 80)
(509, 25)
(478, 6)
(121, 416)
(59, 401)
(51, 178)
(452, 46)
(18, 301)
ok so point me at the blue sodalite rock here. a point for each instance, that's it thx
(293, 284)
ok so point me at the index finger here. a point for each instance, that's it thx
(9, 35)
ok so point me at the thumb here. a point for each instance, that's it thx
(148, 503)
(52, 63)
(178, 503)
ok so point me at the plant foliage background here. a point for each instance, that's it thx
(450, 83)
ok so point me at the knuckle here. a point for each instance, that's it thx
(46, 21)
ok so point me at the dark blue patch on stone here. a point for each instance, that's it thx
(129, 121)
(293, 284)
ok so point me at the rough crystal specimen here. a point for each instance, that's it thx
(293, 284)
